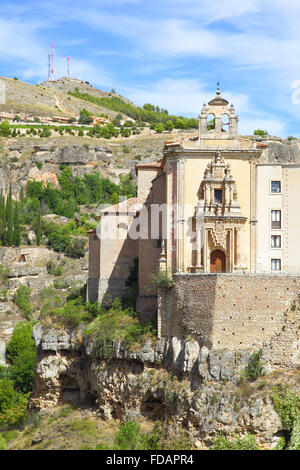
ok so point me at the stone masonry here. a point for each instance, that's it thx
(230, 310)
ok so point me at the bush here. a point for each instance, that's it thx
(76, 249)
(73, 313)
(5, 129)
(159, 128)
(21, 354)
(260, 132)
(85, 117)
(131, 437)
(287, 404)
(116, 324)
(45, 133)
(254, 368)
(21, 299)
(246, 443)
(52, 268)
(2, 443)
(162, 279)
(13, 405)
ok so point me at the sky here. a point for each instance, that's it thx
(169, 53)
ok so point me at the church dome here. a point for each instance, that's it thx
(218, 101)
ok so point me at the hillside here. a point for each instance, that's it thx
(50, 98)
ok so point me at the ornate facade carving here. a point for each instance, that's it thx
(218, 216)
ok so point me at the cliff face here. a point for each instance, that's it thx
(174, 381)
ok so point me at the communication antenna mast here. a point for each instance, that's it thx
(69, 67)
(49, 67)
(52, 63)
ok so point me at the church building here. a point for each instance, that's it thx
(213, 208)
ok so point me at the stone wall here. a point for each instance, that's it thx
(230, 310)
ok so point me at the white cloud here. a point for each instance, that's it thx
(187, 97)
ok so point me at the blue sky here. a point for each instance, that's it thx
(168, 53)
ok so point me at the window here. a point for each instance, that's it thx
(276, 186)
(276, 264)
(275, 219)
(276, 241)
(218, 195)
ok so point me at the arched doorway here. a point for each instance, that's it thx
(217, 262)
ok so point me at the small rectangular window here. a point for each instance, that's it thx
(276, 264)
(276, 241)
(275, 219)
(276, 186)
(218, 196)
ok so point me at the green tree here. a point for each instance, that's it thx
(38, 227)
(169, 126)
(85, 117)
(5, 129)
(260, 132)
(21, 355)
(66, 182)
(9, 217)
(16, 229)
(22, 299)
(159, 128)
(13, 405)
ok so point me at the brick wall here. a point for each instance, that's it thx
(228, 310)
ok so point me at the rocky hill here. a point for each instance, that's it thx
(51, 98)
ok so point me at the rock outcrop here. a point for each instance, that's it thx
(173, 380)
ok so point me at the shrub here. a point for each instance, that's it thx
(2, 443)
(162, 279)
(45, 133)
(116, 324)
(85, 117)
(5, 129)
(76, 248)
(287, 405)
(254, 368)
(21, 299)
(260, 132)
(131, 437)
(246, 443)
(21, 354)
(13, 405)
(72, 313)
(4, 294)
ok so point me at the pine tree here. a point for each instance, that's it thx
(22, 194)
(16, 230)
(2, 218)
(9, 218)
(38, 228)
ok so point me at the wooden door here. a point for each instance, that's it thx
(217, 262)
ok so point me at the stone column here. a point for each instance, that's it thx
(238, 248)
(205, 249)
(199, 235)
(205, 196)
(218, 124)
(253, 220)
(180, 215)
(210, 197)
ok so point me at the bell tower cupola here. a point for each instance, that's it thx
(218, 120)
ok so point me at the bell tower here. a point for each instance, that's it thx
(218, 120)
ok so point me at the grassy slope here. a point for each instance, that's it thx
(50, 99)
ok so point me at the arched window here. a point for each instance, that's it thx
(225, 122)
(210, 122)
